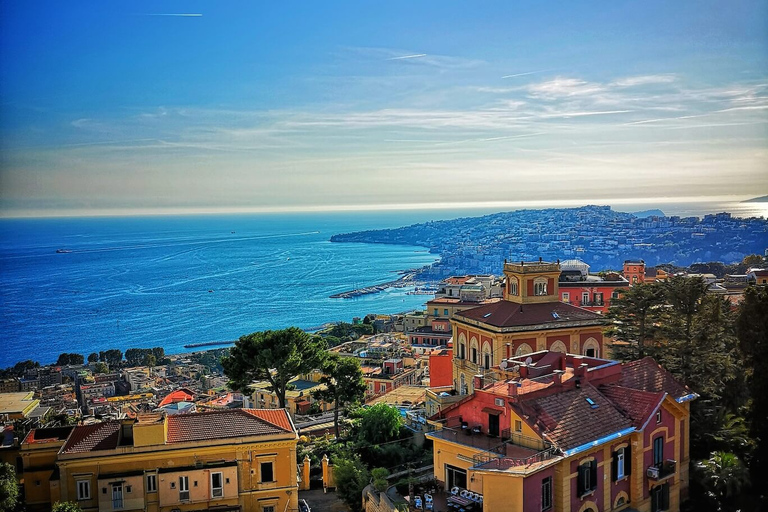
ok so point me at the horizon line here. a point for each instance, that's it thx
(468, 205)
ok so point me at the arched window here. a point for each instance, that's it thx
(473, 350)
(591, 348)
(513, 286)
(540, 286)
(558, 346)
(523, 349)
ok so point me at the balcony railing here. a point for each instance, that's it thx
(662, 471)
(466, 364)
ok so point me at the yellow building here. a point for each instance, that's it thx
(529, 318)
(298, 398)
(38, 452)
(240, 459)
(566, 433)
(17, 406)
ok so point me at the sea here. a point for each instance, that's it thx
(170, 281)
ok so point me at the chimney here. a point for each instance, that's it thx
(523, 371)
(561, 362)
(477, 382)
(558, 377)
(513, 388)
(581, 372)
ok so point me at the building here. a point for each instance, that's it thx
(592, 292)
(10, 385)
(299, 397)
(529, 318)
(445, 308)
(568, 433)
(38, 453)
(430, 337)
(390, 375)
(634, 271)
(232, 460)
(17, 406)
(441, 367)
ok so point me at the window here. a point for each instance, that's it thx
(128, 489)
(622, 463)
(513, 288)
(462, 353)
(587, 478)
(117, 496)
(445, 312)
(83, 490)
(658, 451)
(615, 295)
(382, 389)
(268, 508)
(266, 472)
(436, 313)
(183, 488)
(566, 297)
(540, 288)
(599, 299)
(487, 360)
(474, 355)
(518, 426)
(585, 298)
(658, 416)
(217, 488)
(546, 493)
(660, 498)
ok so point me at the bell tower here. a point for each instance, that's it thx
(532, 282)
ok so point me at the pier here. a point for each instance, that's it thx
(407, 279)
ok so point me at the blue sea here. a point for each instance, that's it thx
(174, 280)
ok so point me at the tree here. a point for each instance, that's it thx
(344, 384)
(66, 506)
(69, 358)
(684, 296)
(274, 356)
(752, 331)
(113, 357)
(723, 476)
(93, 357)
(379, 476)
(351, 477)
(159, 353)
(101, 368)
(379, 423)
(633, 313)
(9, 487)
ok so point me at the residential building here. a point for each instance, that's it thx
(390, 375)
(592, 292)
(17, 406)
(10, 385)
(529, 318)
(231, 460)
(441, 367)
(430, 336)
(38, 453)
(568, 433)
(634, 271)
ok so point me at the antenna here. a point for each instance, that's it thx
(503, 365)
(528, 360)
(516, 368)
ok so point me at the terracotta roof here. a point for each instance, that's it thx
(180, 395)
(225, 424)
(510, 314)
(48, 435)
(204, 426)
(457, 280)
(647, 375)
(636, 404)
(569, 420)
(88, 438)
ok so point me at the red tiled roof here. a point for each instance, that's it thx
(212, 425)
(204, 426)
(47, 435)
(647, 375)
(569, 421)
(510, 314)
(88, 438)
(180, 395)
(636, 404)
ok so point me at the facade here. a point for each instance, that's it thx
(592, 292)
(389, 376)
(529, 318)
(441, 367)
(436, 335)
(567, 433)
(634, 271)
(232, 460)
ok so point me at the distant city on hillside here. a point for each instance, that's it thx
(598, 235)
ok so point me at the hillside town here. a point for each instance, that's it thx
(596, 235)
(509, 382)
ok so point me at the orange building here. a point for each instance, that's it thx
(634, 271)
(441, 368)
(529, 318)
(230, 460)
(568, 433)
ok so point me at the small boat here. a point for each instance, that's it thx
(62, 251)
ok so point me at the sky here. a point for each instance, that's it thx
(227, 105)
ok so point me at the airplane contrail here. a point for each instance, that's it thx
(181, 14)
(524, 74)
(408, 56)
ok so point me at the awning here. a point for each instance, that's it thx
(492, 411)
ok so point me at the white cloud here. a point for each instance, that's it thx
(633, 81)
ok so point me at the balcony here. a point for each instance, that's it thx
(662, 471)
(466, 364)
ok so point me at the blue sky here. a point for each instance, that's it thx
(226, 105)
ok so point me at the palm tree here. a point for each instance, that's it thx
(723, 477)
